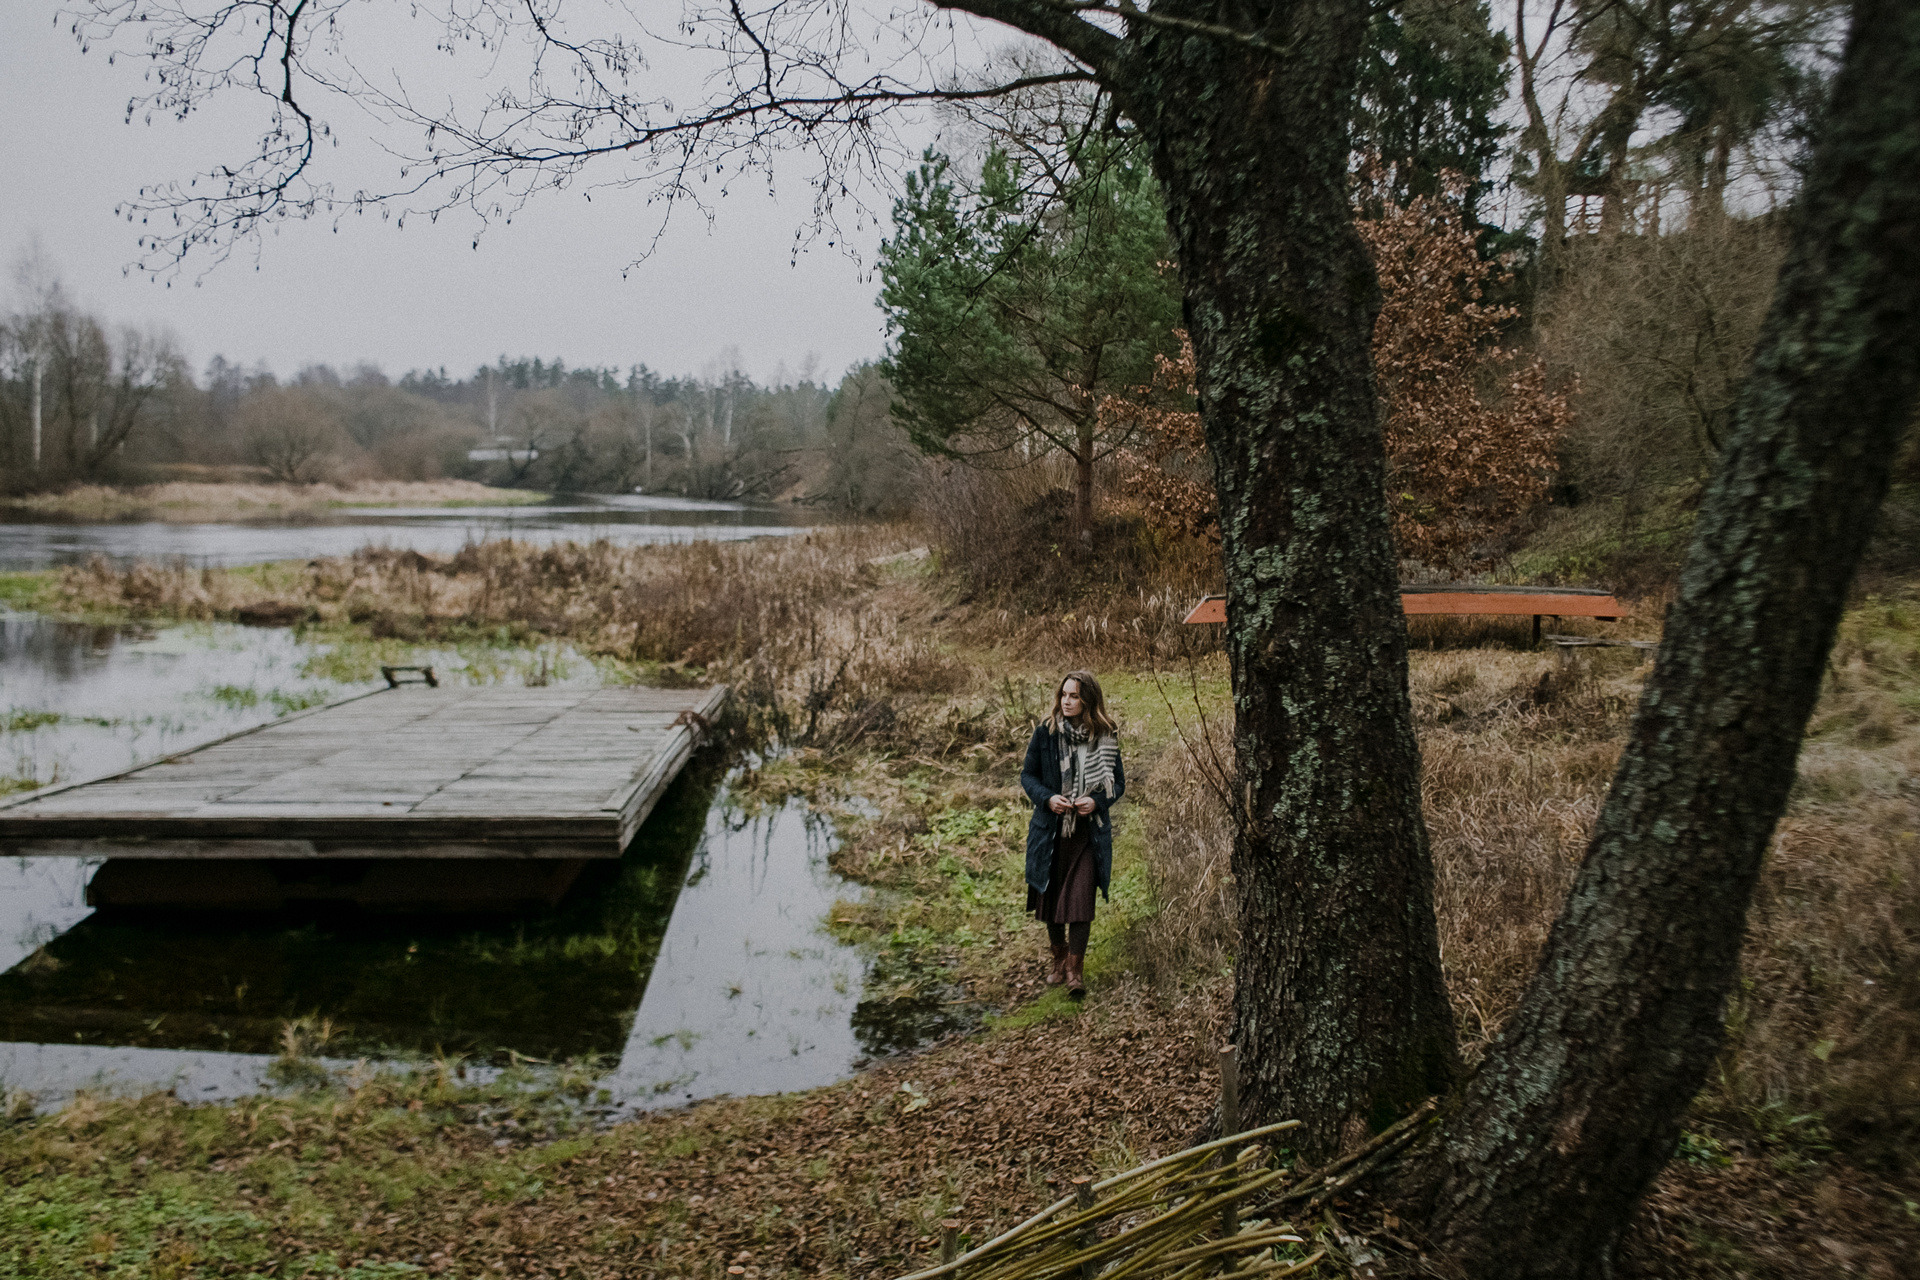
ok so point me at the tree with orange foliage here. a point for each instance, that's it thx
(1461, 470)
(1168, 474)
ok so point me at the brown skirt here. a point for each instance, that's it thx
(1069, 895)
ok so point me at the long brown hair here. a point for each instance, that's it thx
(1093, 704)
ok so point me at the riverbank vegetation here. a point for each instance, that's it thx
(85, 407)
(901, 690)
(200, 501)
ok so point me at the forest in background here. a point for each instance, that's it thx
(123, 407)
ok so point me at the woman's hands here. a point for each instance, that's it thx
(1060, 804)
(1084, 805)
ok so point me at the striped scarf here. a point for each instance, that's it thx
(1086, 766)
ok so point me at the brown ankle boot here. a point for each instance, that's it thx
(1058, 974)
(1076, 977)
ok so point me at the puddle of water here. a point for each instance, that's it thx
(39, 543)
(80, 701)
(749, 994)
(40, 899)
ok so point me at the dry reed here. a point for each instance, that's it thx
(1824, 1029)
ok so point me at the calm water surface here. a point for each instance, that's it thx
(633, 518)
(697, 964)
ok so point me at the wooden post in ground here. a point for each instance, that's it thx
(949, 1240)
(1083, 1198)
(1229, 1125)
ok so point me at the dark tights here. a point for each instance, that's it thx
(1074, 935)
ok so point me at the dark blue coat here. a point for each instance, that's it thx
(1040, 779)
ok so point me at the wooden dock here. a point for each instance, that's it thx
(406, 774)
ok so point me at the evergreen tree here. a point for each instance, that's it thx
(1431, 76)
(1013, 314)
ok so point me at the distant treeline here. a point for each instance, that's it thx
(83, 402)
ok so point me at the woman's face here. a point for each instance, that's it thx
(1070, 700)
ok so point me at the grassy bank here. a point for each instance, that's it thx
(904, 704)
(195, 502)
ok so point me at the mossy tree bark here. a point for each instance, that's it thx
(1339, 1009)
(1579, 1103)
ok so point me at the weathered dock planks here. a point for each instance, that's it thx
(410, 772)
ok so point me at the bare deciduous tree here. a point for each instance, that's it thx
(71, 392)
(293, 433)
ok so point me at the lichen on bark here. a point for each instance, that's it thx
(1340, 1011)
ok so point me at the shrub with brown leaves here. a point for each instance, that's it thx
(1470, 425)
(1463, 466)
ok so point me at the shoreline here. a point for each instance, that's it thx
(198, 502)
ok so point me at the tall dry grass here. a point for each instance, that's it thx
(1824, 1028)
(826, 642)
(1194, 928)
(791, 623)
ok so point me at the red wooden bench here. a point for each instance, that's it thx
(1540, 602)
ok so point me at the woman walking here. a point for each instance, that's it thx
(1073, 776)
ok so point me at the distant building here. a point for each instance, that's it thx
(501, 452)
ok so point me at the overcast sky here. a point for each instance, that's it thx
(550, 284)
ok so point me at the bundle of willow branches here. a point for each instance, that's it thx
(1174, 1218)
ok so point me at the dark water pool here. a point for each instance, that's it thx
(697, 964)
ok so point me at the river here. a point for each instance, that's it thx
(38, 543)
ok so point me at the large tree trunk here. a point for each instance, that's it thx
(1579, 1103)
(1339, 1009)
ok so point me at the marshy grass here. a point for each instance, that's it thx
(1824, 1027)
(825, 640)
(904, 696)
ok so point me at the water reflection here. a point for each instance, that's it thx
(80, 701)
(40, 899)
(698, 964)
(749, 994)
(695, 965)
(40, 543)
(555, 985)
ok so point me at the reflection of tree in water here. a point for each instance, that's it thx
(556, 985)
(906, 1004)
